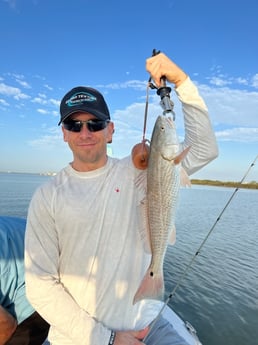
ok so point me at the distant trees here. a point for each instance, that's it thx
(233, 184)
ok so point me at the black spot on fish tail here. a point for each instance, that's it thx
(151, 274)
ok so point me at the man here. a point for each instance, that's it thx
(84, 252)
(19, 323)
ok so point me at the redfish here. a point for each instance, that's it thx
(163, 184)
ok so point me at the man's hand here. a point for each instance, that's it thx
(8, 325)
(130, 337)
(161, 66)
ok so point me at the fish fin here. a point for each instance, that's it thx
(172, 236)
(184, 178)
(152, 287)
(178, 159)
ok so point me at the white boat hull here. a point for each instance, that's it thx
(185, 329)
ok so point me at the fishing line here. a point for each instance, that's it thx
(183, 275)
(146, 112)
(150, 85)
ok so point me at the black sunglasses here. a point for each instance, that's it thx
(92, 125)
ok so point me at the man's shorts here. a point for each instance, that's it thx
(163, 333)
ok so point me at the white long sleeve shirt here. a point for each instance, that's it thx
(84, 249)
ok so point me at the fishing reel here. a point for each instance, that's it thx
(140, 152)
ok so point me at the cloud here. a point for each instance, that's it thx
(51, 138)
(48, 87)
(255, 81)
(42, 95)
(233, 110)
(232, 107)
(21, 96)
(247, 135)
(11, 3)
(19, 79)
(39, 100)
(55, 102)
(3, 102)
(23, 83)
(219, 81)
(131, 84)
(11, 91)
(42, 111)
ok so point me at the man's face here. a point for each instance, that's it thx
(88, 147)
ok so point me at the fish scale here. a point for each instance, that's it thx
(163, 184)
(162, 199)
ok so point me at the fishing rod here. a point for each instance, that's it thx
(167, 106)
(183, 275)
(140, 152)
(209, 233)
(164, 92)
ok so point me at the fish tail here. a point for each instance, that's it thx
(152, 287)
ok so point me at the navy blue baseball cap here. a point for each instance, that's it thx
(84, 99)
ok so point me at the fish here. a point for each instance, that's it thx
(163, 185)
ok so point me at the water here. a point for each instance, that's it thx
(16, 191)
(219, 295)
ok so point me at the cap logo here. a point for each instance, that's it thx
(80, 98)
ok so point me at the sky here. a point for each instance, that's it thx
(51, 46)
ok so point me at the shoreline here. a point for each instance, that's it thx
(230, 184)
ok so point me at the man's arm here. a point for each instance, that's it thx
(199, 135)
(8, 325)
(44, 290)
